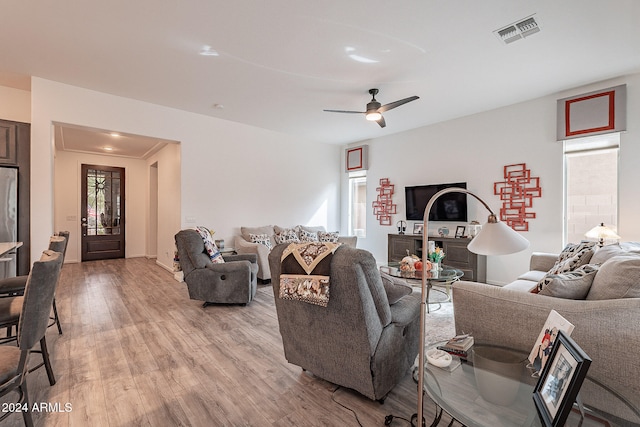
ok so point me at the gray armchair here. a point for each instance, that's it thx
(359, 340)
(231, 282)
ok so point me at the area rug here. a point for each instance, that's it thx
(439, 324)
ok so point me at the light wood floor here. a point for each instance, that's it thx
(137, 351)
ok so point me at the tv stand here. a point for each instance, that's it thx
(456, 253)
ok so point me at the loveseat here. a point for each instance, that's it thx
(260, 241)
(606, 320)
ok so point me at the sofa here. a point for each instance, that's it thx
(260, 241)
(365, 338)
(606, 319)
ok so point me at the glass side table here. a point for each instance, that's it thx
(457, 393)
(445, 277)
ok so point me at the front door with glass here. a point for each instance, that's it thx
(102, 207)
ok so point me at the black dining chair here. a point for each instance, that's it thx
(33, 322)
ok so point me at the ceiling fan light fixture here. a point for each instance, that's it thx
(374, 110)
(373, 116)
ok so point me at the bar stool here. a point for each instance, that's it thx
(14, 286)
(14, 361)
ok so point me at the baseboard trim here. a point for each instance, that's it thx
(166, 267)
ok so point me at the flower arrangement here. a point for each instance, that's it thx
(437, 255)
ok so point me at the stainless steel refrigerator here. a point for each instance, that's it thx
(8, 218)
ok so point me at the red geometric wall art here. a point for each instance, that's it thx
(517, 192)
(383, 206)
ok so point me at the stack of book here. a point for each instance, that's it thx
(458, 345)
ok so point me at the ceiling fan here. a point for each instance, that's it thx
(375, 110)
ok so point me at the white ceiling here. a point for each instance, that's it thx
(282, 62)
(99, 141)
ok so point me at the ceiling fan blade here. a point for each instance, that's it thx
(381, 122)
(345, 111)
(395, 104)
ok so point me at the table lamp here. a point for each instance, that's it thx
(601, 232)
(495, 238)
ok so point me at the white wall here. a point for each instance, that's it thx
(164, 167)
(231, 174)
(476, 148)
(68, 179)
(15, 104)
(152, 211)
(234, 175)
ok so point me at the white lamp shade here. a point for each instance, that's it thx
(497, 238)
(601, 232)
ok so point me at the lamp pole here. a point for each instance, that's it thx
(499, 239)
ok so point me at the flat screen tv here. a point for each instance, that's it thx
(449, 207)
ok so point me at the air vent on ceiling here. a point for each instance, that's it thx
(518, 30)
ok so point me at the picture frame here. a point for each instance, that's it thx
(560, 381)
(541, 350)
(417, 228)
(460, 231)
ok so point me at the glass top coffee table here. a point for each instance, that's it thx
(472, 394)
(445, 276)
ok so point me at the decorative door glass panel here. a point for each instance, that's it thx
(103, 202)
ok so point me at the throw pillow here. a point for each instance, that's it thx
(609, 251)
(308, 236)
(263, 239)
(246, 232)
(619, 277)
(313, 229)
(328, 236)
(394, 288)
(573, 256)
(606, 252)
(287, 235)
(570, 285)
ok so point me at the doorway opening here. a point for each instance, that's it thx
(153, 171)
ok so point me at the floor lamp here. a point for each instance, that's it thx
(495, 238)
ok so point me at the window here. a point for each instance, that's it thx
(591, 184)
(357, 204)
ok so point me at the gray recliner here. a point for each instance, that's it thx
(359, 340)
(231, 282)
